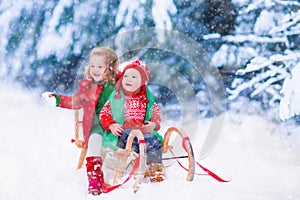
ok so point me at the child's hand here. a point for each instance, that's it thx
(148, 127)
(116, 129)
(49, 98)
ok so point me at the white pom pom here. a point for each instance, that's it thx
(49, 98)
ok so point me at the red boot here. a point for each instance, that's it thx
(94, 174)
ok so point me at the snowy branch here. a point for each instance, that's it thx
(287, 3)
(267, 75)
(258, 63)
(254, 82)
(130, 11)
(161, 14)
(254, 38)
(270, 81)
(291, 20)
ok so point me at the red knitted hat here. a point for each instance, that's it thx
(141, 67)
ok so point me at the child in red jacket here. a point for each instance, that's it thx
(101, 75)
(140, 112)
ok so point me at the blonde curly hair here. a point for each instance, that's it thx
(112, 61)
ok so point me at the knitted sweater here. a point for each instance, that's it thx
(133, 116)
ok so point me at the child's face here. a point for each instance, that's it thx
(97, 67)
(131, 80)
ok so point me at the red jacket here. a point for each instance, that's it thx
(87, 98)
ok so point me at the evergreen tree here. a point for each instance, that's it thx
(262, 49)
(44, 41)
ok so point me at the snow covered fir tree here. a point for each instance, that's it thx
(266, 42)
(229, 67)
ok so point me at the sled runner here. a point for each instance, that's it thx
(78, 140)
(132, 164)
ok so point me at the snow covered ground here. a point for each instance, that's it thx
(37, 160)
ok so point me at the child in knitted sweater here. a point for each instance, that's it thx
(140, 112)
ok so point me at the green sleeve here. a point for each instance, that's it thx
(57, 99)
(106, 91)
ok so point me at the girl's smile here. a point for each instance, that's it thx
(97, 67)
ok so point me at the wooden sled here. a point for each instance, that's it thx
(138, 162)
(124, 156)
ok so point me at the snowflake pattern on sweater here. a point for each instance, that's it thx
(134, 114)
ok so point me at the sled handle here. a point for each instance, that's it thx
(123, 154)
(187, 146)
(79, 143)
